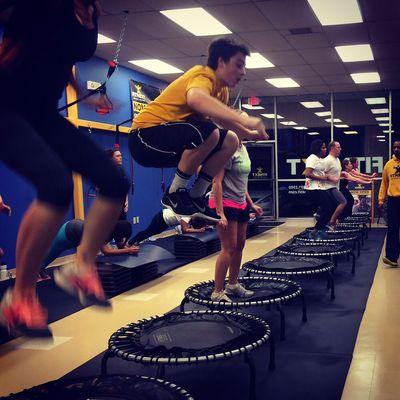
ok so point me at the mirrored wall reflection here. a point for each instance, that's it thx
(361, 126)
(395, 115)
(261, 107)
(301, 120)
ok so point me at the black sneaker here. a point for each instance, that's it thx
(179, 202)
(203, 211)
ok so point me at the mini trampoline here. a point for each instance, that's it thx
(320, 250)
(267, 291)
(354, 224)
(291, 266)
(334, 237)
(191, 337)
(122, 387)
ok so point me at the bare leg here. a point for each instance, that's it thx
(228, 244)
(236, 260)
(192, 159)
(36, 233)
(336, 214)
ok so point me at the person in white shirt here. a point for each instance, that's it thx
(333, 168)
(315, 184)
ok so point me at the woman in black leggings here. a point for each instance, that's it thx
(42, 41)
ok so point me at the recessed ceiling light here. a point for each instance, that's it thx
(157, 66)
(311, 104)
(323, 113)
(334, 120)
(384, 124)
(101, 39)
(197, 21)
(380, 111)
(272, 116)
(381, 136)
(341, 126)
(382, 118)
(250, 107)
(375, 100)
(350, 132)
(289, 123)
(283, 82)
(300, 128)
(366, 77)
(257, 60)
(358, 52)
(336, 12)
(312, 133)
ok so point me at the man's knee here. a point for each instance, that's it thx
(231, 141)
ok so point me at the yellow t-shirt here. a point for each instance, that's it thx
(390, 184)
(171, 104)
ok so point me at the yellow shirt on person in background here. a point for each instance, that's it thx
(390, 185)
(171, 105)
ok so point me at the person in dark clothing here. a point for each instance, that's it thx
(41, 43)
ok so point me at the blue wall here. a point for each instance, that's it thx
(145, 202)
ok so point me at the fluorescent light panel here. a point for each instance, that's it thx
(366, 77)
(336, 12)
(358, 52)
(375, 100)
(312, 133)
(381, 136)
(388, 131)
(157, 66)
(380, 111)
(350, 132)
(283, 82)
(101, 39)
(381, 140)
(272, 116)
(341, 126)
(197, 21)
(257, 60)
(288, 123)
(384, 124)
(323, 113)
(382, 118)
(334, 120)
(311, 104)
(250, 107)
(300, 128)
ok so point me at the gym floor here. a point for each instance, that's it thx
(374, 371)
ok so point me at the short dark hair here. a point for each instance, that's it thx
(315, 147)
(331, 144)
(226, 49)
(353, 160)
(110, 152)
(198, 222)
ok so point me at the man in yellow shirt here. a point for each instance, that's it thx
(189, 124)
(390, 190)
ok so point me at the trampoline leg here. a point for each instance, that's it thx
(331, 285)
(252, 369)
(304, 307)
(366, 233)
(104, 361)
(347, 256)
(283, 324)
(248, 274)
(182, 306)
(362, 238)
(160, 372)
(358, 248)
(353, 268)
(271, 353)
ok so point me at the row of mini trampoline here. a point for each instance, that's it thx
(220, 332)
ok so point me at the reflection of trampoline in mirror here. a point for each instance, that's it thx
(122, 387)
(346, 230)
(360, 219)
(360, 225)
(292, 267)
(192, 337)
(329, 251)
(267, 291)
(304, 237)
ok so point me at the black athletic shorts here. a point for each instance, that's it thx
(162, 146)
(235, 214)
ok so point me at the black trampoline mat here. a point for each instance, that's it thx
(111, 387)
(312, 249)
(190, 335)
(287, 263)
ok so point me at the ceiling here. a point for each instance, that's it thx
(264, 26)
